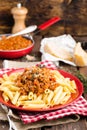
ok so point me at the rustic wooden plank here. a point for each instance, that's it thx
(36, 129)
(80, 125)
(4, 125)
(74, 15)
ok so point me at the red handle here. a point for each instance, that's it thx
(49, 23)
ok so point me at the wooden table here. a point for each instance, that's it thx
(82, 123)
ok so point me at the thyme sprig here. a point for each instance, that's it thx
(83, 79)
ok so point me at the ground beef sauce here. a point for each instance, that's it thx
(36, 80)
(14, 43)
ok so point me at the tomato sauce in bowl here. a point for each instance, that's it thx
(15, 47)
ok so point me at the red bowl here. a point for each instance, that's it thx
(10, 54)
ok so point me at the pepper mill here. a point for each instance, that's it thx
(19, 15)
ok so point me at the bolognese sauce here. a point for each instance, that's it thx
(36, 80)
(14, 43)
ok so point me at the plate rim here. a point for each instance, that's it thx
(72, 77)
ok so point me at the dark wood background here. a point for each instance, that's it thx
(73, 15)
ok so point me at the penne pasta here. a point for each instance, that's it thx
(8, 92)
(39, 97)
(30, 96)
(62, 96)
(7, 83)
(57, 94)
(72, 90)
(66, 89)
(35, 106)
(6, 77)
(15, 99)
(45, 97)
(28, 89)
(37, 102)
(49, 97)
(73, 84)
(47, 91)
(23, 98)
(6, 98)
(65, 99)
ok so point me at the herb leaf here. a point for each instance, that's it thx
(83, 79)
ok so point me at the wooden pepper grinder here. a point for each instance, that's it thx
(19, 15)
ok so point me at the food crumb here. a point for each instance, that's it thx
(30, 58)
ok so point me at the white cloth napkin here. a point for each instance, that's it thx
(17, 64)
(65, 41)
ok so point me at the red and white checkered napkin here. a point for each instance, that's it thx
(77, 107)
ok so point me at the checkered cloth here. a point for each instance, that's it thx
(77, 107)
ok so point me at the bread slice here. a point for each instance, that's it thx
(80, 56)
(57, 51)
